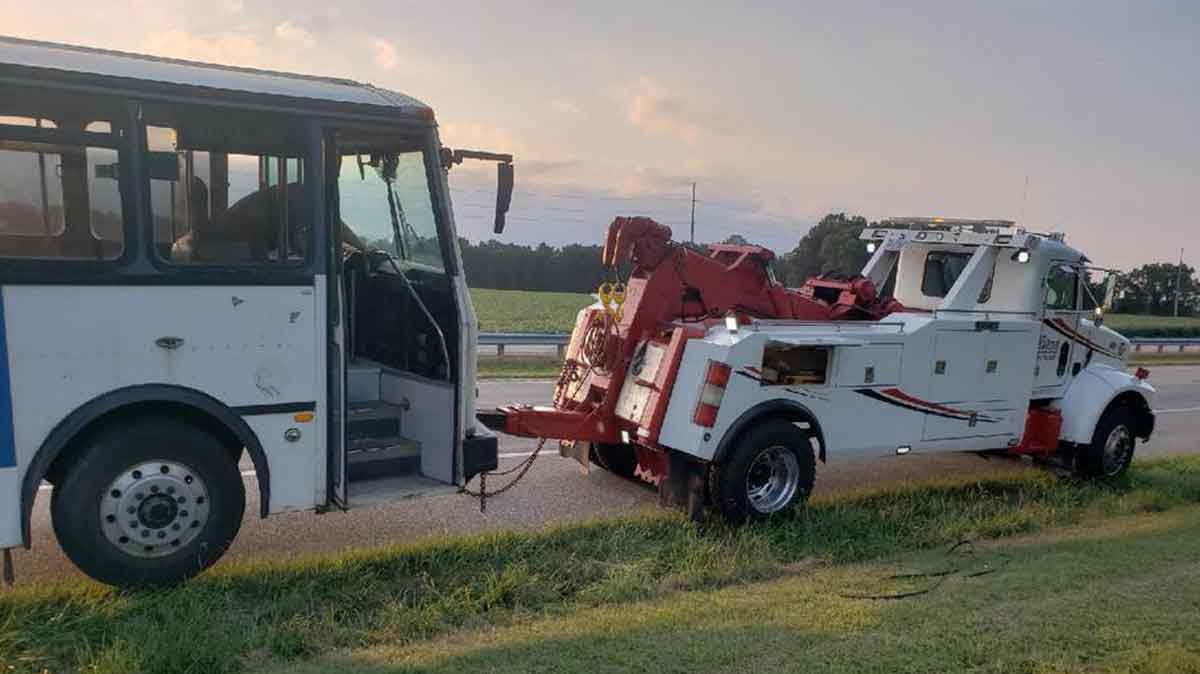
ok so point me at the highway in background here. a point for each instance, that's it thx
(556, 490)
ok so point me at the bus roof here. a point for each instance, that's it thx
(102, 63)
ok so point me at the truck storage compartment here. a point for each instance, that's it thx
(787, 364)
(876, 365)
(953, 421)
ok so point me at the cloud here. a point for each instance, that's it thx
(566, 106)
(386, 56)
(231, 6)
(654, 180)
(239, 46)
(657, 110)
(290, 31)
(551, 169)
(477, 136)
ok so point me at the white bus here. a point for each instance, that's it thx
(200, 263)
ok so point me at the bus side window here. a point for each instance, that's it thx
(59, 195)
(215, 203)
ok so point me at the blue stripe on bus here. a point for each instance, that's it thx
(8, 449)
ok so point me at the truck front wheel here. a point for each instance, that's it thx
(770, 470)
(1111, 449)
(148, 502)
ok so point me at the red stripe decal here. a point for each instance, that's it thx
(1075, 336)
(901, 395)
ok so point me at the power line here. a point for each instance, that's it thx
(578, 195)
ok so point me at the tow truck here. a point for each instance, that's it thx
(703, 375)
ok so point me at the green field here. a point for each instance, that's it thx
(1135, 325)
(527, 311)
(1117, 590)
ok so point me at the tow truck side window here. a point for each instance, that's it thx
(942, 269)
(59, 192)
(1061, 288)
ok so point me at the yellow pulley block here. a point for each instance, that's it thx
(605, 294)
(612, 296)
(618, 293)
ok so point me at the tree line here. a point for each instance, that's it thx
(831, 246)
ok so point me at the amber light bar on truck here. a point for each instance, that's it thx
(715, 380)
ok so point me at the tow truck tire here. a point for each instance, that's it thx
(770, 470)
(1111, 450)
(148, 503)
(618, 459)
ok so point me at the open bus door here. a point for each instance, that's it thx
(336, 336)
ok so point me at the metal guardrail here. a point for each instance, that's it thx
(1161, 343)
(500, 340)
(559, 340)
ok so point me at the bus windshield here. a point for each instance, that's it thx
(385, 202)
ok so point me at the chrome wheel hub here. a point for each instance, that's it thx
(1117, 449)
(154, 508)
(772, 480)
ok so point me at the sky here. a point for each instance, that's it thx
(1081, 117)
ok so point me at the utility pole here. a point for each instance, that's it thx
(693, 212)
(1178, 280)
(1024, 198)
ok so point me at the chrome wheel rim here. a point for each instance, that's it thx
(772, 480)
(154, 508)
(1117, 449)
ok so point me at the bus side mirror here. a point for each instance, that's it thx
(504, 192)
(504, 177)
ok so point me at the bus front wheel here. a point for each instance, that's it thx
(148, 503)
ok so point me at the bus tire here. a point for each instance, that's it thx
(148, 503)
(770, 470)
(618, 459)
(1111, 449)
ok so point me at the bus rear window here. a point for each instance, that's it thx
(59, 198)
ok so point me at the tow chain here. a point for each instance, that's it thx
(612, 298)
(521, 469)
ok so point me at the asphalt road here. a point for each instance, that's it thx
(556, 490)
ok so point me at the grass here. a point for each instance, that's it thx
(519, 367)
(1119, 597)
(526, 311)
(590, 596)
(1137, 325)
